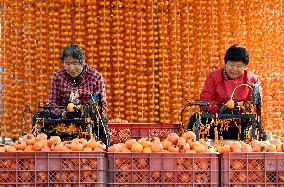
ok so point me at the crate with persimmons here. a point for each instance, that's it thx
(252, 169)
(52, 169)
(120, 132)
(163, 169)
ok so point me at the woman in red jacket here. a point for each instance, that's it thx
(220, 84)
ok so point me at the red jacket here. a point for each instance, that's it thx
(218, 88)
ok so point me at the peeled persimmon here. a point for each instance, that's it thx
(230, 104)
(70, 107)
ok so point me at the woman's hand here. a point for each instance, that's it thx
(64, 114)
(224, 110)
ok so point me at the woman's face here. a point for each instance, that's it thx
(72, 66)
(235, 69)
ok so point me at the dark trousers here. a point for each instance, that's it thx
(232, 132)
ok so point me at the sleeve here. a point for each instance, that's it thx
(54, 95)
(100, 87)
(208, 95)
(253, 80)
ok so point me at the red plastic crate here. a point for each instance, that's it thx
(52, 169)
(163, 169)
(120, 132)
(252, 169)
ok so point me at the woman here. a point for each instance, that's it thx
(220, 84)
(77, 78)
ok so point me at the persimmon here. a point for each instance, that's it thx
(113, 148)
(144, 142)
(189, 135)
(87, 149)
(37, 146)
(147, 150)
(271, 148)
(155, 139)
(54, 139)
(224, 149)
(255, 149)
(141, 163)
(76, 146)
(191, 142)
(2, 148)
(173, 149)
(173, 137)
(181, 140)
(209, 149)
(28, 148)
(242, 177)
(201, 178)
(41, 136)
(29, 139)
(84, 142)
(279, 148)
(136, 147)
(155, 175)
(24, 175)
(20, 145)
(44, 142)
(235, 145)
(67, 144)
(124, 149)
(129, 143)
(247, 149)
(262, 146)
(92, 143)
(199, 148)
(237, 165)
(156, 147)
(230, 104)
(57, 146)
(169, 176)
(45, 149)
(166, 143)
(276, 141)
(254, 142)
(10, 148)
(70, 107)
(184, 147)
(101, 145)
(185, 177)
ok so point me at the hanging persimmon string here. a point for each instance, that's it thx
(154, 54)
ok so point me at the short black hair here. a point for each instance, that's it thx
(74, 51)
(237, 53)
